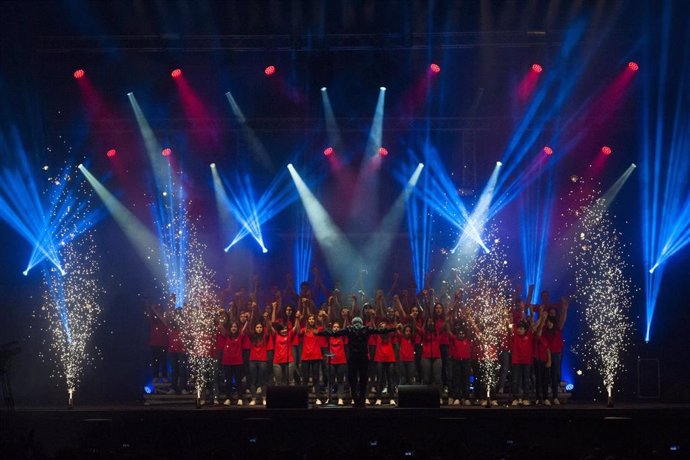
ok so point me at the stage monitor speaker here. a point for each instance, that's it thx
(418, 396)
(648, 378)
(285, 397)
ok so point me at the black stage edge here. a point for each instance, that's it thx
(573, 431)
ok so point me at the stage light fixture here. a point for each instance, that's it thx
(328, 151)
(79, 73)
(111, 153)
(177, 73)
(213, 165)
(270, 70)
(632, 65)
(383, 88)
(498, 163)
(166, 152)
(547, 150)
(323, 89)
(537, 68)
(383, 151)
(435, 68)
(606, 150)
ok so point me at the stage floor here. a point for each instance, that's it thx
(571, 431)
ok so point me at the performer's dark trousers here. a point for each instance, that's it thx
(357, 372)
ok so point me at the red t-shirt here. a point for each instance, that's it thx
(269, 344)
(521, 348)
(417, 337)
(336, 346)
(175, 344)
(442, 333)
(406, 348)
(232, 351)
(311, 350)
(460, 349)
(540, 348)
(246, 343)
(283, 348)
(384, 349)
(158, 332)
(431, 346)
(554, 340)
(259, 348)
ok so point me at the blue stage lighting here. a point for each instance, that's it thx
(439, 193)
(535, 219)
(419, 229)
(302, 250)
(42, 212)
(239, 199)
(665, 163)
(569, 387)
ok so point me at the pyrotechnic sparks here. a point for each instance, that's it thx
(198, 313)
(200, 303)
(72, 310)
(487, 288)
(70, 295)
(605, 292)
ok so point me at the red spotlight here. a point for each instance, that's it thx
(177, 73)
(111, 153)
(632, 65)
(166, 152)
(606, 150)
(435, 68)
(328, 151)
(270, 70)
(537, 68)
(78, 73)
(548, 150)
(383, 151)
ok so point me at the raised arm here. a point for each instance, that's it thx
(296, 328)
(398, 306)
(381, 330)
(530, 294)
(355, 307)
(565, 302)
(380, 304)
(394, 285)
(331, 333)
(541, 321)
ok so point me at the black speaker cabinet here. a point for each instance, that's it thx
(418, 396)
(285, 397)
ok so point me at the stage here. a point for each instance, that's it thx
(571, 431)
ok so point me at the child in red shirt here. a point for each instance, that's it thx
(460, 346)
(336, 347)
(233, 365)
(385, 359)
(311, 355)
(283, 357)
(521, 360)
(406, 363)
(258, 357)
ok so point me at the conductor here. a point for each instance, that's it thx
(357, 356)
